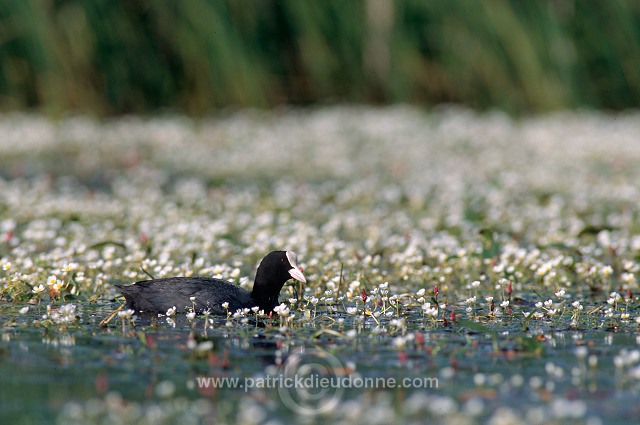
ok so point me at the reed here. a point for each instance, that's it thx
(140, 56)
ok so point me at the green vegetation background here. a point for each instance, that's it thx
(138, 56)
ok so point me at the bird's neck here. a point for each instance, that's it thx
(265, 293)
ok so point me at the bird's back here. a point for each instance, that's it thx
(159, 295)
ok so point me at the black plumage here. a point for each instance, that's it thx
(159, 295)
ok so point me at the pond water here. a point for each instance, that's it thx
(157, 372)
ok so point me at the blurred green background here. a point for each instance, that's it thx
(142, 56)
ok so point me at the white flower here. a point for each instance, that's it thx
(24, 309)
(428, 310)
(70, 267)
(171, 311)
(560, 293)
(6, 266)
(191, 315)
(38, 289)
(421, 292)
(614, 298)
(398, 323)
(504, 304)
(539, 304)
(282, 310)
(225, 305)
(489, 299)
(627, 277)
(125, 314)
(52, 280)
(471, 300)
(475, 283)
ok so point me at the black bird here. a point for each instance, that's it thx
(159, 295)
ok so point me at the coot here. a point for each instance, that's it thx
(159, 295)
